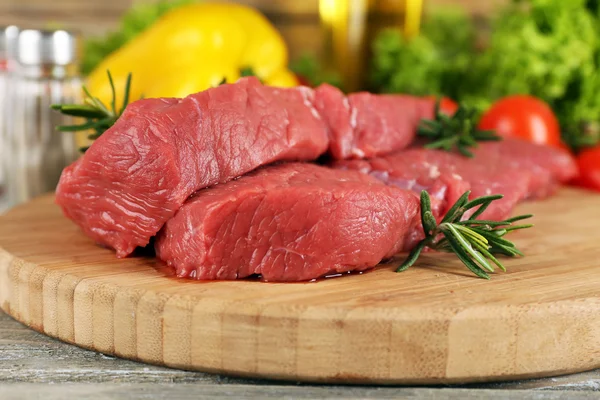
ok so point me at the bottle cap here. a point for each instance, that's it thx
(40, 47)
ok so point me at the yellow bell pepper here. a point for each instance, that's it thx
(193, 48)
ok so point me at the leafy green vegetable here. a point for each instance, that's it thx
(135, 21)
(546, 48)
(310, 69)
(429, 64)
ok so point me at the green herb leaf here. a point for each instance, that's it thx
(465, 258)
(485, 203)
(113, 102)
(456, 208)
(76, 110)
(98, 117)
(427, 218)
(475, 242)
(466, 245)
(454, 132)
(125, 95)
(412, 257)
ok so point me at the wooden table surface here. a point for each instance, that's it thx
(34, 366)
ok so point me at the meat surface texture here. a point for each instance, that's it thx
(290, 222)
(140, 171)
(519, 170)
(546, 166)
(364, 125)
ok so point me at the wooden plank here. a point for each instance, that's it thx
(201, 392)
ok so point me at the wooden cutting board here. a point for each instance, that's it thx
(434, 323)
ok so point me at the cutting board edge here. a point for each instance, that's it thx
(19, 273)
(336, 379)
(304, 339)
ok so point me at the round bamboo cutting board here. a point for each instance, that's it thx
(434, 323)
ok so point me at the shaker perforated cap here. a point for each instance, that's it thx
(8, 41)
(39, 47)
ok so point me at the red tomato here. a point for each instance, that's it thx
(589, 168)
(447, 105)
(525, 117)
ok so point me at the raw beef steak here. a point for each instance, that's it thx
(364, 125)
(140, 171)
(516, 169)
(290, 222)
(547, 166)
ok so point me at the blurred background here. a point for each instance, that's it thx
(302, 23)
(472, 51)
(297, 20)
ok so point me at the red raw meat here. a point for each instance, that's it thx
(290, 222)
(547, 166)
(140, 171)
(514, 168)
(364, 125)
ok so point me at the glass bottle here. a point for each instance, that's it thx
(349, 27)
(47, 73)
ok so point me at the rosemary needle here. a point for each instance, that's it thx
(454, 132)
(98, 117)
(475, 242)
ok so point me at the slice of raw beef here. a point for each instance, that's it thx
(514, 168)
(290, 222)
(364, 125)
(140, 171)
(547, 166)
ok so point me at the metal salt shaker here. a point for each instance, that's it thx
(8, 36)
(47, 73)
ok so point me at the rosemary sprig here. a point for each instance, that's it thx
(475, 242)
(98, 117)
(457, 131)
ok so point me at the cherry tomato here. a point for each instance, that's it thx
(447, 105)
(525, 117)
(589, 168)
